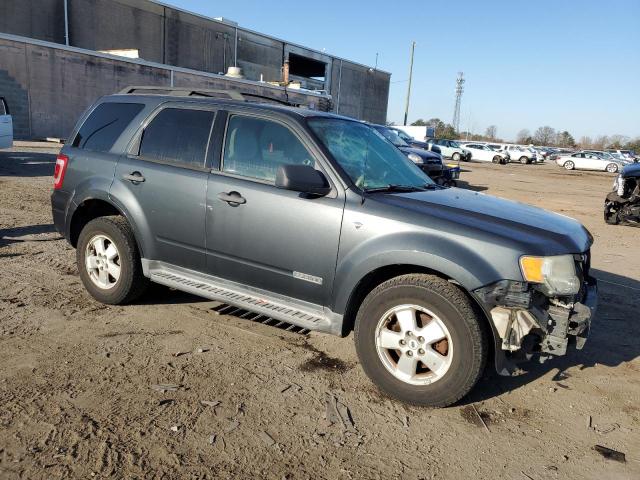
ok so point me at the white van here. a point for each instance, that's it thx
(6, 125)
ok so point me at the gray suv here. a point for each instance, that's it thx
(318, 220)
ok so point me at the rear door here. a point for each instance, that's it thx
(163, 180)
(277, 240)
(6, 125)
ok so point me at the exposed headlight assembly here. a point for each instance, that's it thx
(556, 275)
(415, 158)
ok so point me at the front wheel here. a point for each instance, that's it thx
(420, 340)
(612, 168)
(109, 261)
(456, 157)
(569, 165)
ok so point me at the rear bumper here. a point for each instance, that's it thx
(59, 207)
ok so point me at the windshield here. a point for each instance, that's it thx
(392, 136)
(454, 144)
(403, 135)
(370, 160)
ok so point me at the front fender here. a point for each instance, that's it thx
(445, 256)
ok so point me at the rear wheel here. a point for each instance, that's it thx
(109, 261)
(420, 340)
(456, 157)
(612, 168)
(497, 159)
(569, 165)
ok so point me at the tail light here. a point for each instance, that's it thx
(61, 167)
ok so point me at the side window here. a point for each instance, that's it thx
(255, 148)
(178, 135)
(104, 125)
(4, 109)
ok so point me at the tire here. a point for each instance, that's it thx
(497, 159)
(524, 159)
(612, 168)
(456, 157)
(464, 353)
(569, 165)
(110, 232)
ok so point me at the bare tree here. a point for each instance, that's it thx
(491, 132)
(617, 141)
(523, 136)
(544, 136)
(600, 142)
(585, 142)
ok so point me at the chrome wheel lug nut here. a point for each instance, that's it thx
(409, 353)
(421, 339)
(402, 342)
(421, 351)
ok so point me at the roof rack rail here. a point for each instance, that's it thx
(203, 92)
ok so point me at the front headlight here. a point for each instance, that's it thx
(415, 158)
(557, 275)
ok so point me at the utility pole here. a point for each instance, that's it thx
(406, 107)
(456, 111)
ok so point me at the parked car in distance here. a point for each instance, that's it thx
(416, 143)
(585, 160)
(6, 125)
(482, 153)
(429, 162)
(451, 149)
(317, 220)
(623, 154)
(520, 153)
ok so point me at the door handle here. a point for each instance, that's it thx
(134, 177)
(232, 198)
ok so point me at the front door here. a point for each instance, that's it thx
(165, 182)
(261, 236)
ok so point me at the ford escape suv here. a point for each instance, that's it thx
(319, 221)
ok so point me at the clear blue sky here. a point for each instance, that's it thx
(573, 65)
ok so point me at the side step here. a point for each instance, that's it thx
(307, 316)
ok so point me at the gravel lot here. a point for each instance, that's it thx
(77, 396)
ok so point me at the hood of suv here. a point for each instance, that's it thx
(539, 231)
(427, 156)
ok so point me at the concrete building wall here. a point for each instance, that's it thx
(40, 19)
(122, 24)
(170, 36)
(40, 84)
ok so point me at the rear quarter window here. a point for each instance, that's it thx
(104, 125)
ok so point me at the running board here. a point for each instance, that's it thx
(307, 316)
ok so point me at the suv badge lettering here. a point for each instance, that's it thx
(308, 278)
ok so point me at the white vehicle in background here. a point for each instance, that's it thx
(586, 160)
(450, 149)
(520, 153)
(482, 153)
(6, 125)
(622, 154)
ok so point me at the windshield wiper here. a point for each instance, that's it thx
(396, 188)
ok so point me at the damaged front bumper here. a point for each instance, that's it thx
(525, 322)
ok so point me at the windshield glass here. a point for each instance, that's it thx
(454, 144)
(392, 136)
(370, 160)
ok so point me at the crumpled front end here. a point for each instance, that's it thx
(528, 322)
(622, 206)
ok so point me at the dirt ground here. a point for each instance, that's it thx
(79, 395)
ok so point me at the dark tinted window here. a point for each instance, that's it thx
(256, 148)
(105, 124)
(178, 135)
(4, 109)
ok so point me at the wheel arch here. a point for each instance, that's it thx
(93, 207)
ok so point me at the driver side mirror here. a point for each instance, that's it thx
(302, 178)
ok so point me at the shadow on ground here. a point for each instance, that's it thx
(27, 164)
(29, 233)
(468, 186)
(613, 341)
